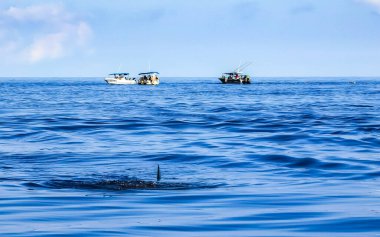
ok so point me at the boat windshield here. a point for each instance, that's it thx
(231, 74)
(119, 74)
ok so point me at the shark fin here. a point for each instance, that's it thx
(158, 173)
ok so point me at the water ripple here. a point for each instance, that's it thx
(280, 157)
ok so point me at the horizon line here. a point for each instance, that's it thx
(196, 76)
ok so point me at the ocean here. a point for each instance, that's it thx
(279, 157)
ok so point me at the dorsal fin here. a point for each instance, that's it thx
(158, 173)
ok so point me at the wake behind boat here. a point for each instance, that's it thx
(121, 78)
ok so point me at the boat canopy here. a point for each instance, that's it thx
(232, 73)
(119, 73)
(148, 73)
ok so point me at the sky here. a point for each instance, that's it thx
(86, 38)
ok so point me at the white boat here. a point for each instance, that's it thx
(149, 78)
(121, 78)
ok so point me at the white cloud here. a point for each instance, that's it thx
(84, 32)
(37, 13)
(47, 47)
(374, 3)
(43, 32)
(57, 45)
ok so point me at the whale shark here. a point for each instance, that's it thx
(118, 184)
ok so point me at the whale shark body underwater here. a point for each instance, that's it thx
(116, 185)
(121, 184)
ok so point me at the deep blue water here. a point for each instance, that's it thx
(294, 157)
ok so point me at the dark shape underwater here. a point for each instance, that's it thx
(118, 184)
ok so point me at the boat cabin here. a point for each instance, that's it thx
(120, 78)
(119, 75)
(149, 78)
(235, 77)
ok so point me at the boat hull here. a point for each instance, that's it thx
(235, 81)
(113, 81)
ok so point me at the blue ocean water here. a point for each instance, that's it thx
(279, 157)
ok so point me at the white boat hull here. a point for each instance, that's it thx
(113, 81)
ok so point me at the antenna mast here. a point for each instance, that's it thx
(242, 67)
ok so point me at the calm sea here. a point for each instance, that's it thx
(279, 157)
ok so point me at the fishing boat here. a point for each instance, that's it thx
(120, 78)
(149, 78)
(236, 77)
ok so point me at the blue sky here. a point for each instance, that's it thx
(190, 38)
